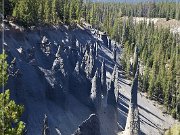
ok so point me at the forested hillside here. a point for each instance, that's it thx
(30, 12)
(39, 12)
(158, 48)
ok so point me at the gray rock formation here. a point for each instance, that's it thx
(111, 98)
(46, 46)
(104, 38)
(113, 88)
(91, 126)
(133, 121)
(90, 64)
(80, 86)
(115, 52)
(96, 49)
(12, 69)
(114, 78)
(96, 90)
(103, 79)
(58, 51)
(45, 130)
(109, 44)
(77, 68)
(58, 131)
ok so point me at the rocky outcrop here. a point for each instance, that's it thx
(133, 122)
(103, 79)
(115, 52)
(96, 90)
(91, 126)
(45, 130)
(111, 98)
(109, 44)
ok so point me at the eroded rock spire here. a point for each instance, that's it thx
(96, 90)
(103, 78)
(45, 126)
(133, 122)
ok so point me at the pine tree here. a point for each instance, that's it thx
(135, 62)
(93, 15)
(10, 112)
(72, 11)
(26, 11)
(178, 12)
(66, 12)
(151, 85)
(54, 10)
(3, 70)
(47, 11)
(116, 34)
(145, 83)
(41, 16)
(60, 9)
(79, 9)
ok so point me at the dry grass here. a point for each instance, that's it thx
(175, 130)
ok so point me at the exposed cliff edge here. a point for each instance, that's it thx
(61, 73)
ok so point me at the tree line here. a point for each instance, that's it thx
(158, 47)
(159, 52)
(39, 12)
(104, 16)
(100, 15)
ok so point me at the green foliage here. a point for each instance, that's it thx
(55, 7)
(47, 12)
(10, 113)
(174, 130)
(3, 70)
(26, 11)
(173, 113)
(100, 15)
(159, 51)
(30, 12)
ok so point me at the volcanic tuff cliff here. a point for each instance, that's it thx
(69, 75)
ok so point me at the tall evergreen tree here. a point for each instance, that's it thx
(54, 11)
(10, 112)
(47, 11)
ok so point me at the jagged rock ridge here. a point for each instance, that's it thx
(53, 74)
